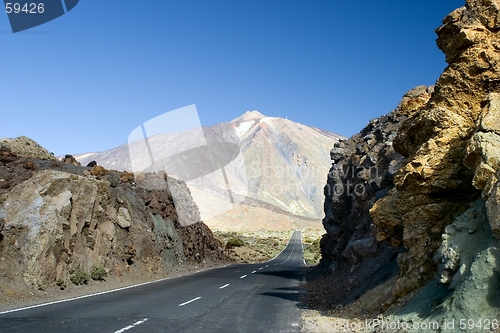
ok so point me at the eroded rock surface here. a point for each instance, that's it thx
(435, 183)
(439, 204)
(55, 222)
(362, 172)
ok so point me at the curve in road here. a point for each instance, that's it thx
(237, 298)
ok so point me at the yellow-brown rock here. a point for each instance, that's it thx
(460, 121)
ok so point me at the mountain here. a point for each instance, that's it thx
(284, 161)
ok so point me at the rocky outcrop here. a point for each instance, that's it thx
(56, 221)
(70, 159)
(450, 148)
(467, 284)
(362, 172)
(23, 146)
(439, 205)
(483, 157)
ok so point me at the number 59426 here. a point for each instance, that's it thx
(32, 8)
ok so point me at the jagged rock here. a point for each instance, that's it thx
(467, 283)
(58, 222)
(434, 184)
(363, 172)
(69, 159)
(490, 115)
(123, 218)
(98, 170)
(483, 156)
(336, 154)
(493, 210)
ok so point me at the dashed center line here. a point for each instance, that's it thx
(132, 325)
(243, 276)
(254, 272)
(194, 299)
(260, 268)
(224, 286)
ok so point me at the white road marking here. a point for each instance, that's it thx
(224, 286)
(194, 299)
(267, 265)
(260, 268)
(243, 276)
(302, 244)
(132, 326)
(281, 250)
(293, 247)
(254, 272)
(85, 296)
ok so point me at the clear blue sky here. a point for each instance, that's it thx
(85, 80)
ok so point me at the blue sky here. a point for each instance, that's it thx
(85, 80)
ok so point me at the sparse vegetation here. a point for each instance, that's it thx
(259, 246)
(61, 284)
(236, 242)
(312, 252)
(98, 273)
(80, 277)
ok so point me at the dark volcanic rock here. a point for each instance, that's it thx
(362, 172)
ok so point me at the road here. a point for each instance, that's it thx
(237, 298)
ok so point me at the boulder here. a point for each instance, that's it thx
(69, 159)
(123, 218)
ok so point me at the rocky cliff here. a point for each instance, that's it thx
(440, 202)
(450, 146)
(57, 219)
(362, 172)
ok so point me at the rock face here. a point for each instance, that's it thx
(435, 196)
(450, 147)
(483, 156)
(55, 222)
(467, 284)
(362, 172)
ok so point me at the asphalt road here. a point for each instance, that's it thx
(237, 298)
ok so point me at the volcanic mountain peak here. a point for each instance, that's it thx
(284, 161)
(248, 116)
(244, 124)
